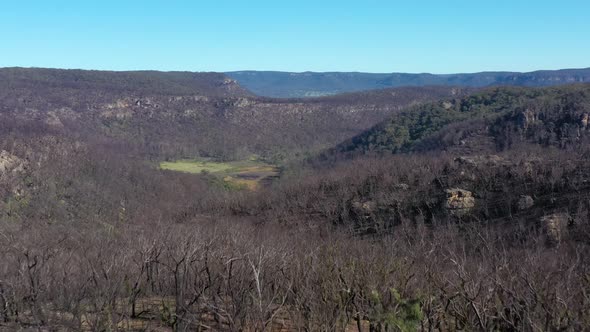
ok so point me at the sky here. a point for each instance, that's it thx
(436, 36)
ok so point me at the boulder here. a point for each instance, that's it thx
(401, 186)
(10, 163)
(555, 227)
(364, 210)
(459, 201)
(584, 120)
(525, 202)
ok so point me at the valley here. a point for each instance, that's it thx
(176, 201)
(294, 166)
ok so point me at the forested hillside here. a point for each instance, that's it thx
(185, 115)
(487, 121)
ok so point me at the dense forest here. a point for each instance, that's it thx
(408, 209)
(497, 116)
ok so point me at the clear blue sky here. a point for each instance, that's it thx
(317, 35)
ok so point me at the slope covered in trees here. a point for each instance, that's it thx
(183, 115)
(490, 120)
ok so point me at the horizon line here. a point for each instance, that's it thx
(301, 72)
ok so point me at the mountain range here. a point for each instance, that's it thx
(313, 84)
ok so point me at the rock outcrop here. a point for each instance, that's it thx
(10, 164)
(525, 202)
(555, 227)
(459, 201)
(243, 102)
(364, 210)
(584, 121)
(11, 170)
(482, 160)
(527, 118)
(401, 186)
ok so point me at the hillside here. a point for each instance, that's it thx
(311, 84)
(183, 115)
(485, 122)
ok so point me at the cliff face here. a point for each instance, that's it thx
(12, 170)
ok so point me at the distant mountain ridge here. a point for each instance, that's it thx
(313, 84)
(120, 82)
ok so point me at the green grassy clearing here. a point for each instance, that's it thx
(241, 174)
(195, 166)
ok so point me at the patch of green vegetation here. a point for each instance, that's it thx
(393, 312)
(195, 166)
(233, 175)
(15, 205)
(405, 130)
